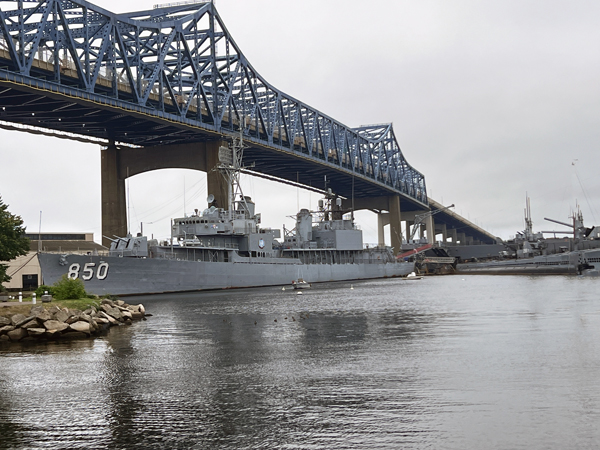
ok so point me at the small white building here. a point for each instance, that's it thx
(25, 270)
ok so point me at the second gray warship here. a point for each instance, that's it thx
(530, 253)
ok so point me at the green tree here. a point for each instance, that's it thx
(13, 243)
(68, 289)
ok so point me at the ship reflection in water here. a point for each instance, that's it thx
(449, 362)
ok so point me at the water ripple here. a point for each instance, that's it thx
(447, 362)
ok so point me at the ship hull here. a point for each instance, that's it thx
(514, 268)
(129, 276)
(583, 262)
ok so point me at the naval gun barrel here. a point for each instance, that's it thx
(561, 223)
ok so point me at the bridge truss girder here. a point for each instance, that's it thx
(170, 75)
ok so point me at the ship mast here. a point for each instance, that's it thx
(230, 166)
(528, 221)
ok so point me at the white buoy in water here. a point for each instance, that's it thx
(351, 287)
(298, 292)
(283, 288)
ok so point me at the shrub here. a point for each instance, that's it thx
(68, 288)
(42, 289)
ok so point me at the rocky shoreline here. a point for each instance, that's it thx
(57, 323)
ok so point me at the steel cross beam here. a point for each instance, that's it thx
(172, 74)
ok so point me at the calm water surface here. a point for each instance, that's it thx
(457, 362)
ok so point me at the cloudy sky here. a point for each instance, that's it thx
(489, 100)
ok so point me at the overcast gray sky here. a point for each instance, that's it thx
(489, 100)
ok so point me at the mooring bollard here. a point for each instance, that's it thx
(33, 299)
(21, 297)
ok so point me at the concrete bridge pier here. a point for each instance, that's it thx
(453, 235)
(429, 229)
(395, 223)
(114, 205)
(118, 164)
(408, 227)
(441, 229)
(393, 217)
(424, 229)
(383, 219)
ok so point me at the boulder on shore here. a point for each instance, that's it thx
(18, 318)
(5, 329)
(55, 325)
(33, 323)
(5, 321)
(81, 326)
(17, 334)
(65, 323)
(36, 332)
(61, 315)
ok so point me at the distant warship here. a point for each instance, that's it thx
(531, 253)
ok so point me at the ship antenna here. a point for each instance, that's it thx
(128, 204)
(352, 212)
(231, 165)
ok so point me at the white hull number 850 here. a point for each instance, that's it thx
(88, 271)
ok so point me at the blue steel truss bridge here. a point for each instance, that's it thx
(165, 88)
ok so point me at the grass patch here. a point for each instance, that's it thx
(81, 304)
(8, 311)
(67, 293)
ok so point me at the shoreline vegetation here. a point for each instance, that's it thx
(67, 319)
(16, 307)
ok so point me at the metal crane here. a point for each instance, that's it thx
(420, 218)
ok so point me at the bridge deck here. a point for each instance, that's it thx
(175, 75)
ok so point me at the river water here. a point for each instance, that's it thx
(455, 362)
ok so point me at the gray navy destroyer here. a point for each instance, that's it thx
(227, 248)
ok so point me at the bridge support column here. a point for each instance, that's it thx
(395, 224)
(383, 219)
(114, 206)
(118, 164)
(454, 235)
(441, 229)
(407, 227)
(461, 238)
(430, 230)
